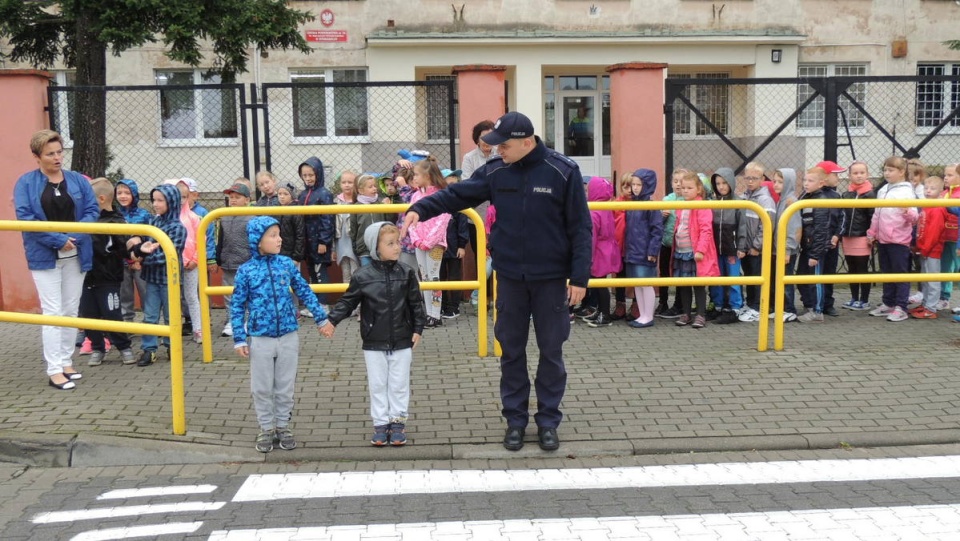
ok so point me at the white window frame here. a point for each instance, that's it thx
(198, 140)
(692, 119)
(949, 90)
(324, 75)
(63, 111)
(830, 70)
(427, 102)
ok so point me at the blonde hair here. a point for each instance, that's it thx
(756, 166)
(43, 138)
(102, 187)
(819, 171)
(363, 180)
(693, 177)
(896, 162)
(267, 174)
(934, 180)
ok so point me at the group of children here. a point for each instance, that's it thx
(728, 242)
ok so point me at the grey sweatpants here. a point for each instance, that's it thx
(273, 373)
(388, 376)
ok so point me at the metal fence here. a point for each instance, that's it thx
(359, 126)
(798, 122)
(217, 132)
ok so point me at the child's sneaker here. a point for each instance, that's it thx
(748, 315)
(923, 312)
(864, 306)
(851, 305)
(398, 434)
(683, 320)
(698, 322)
(87, 347)
(265, 441)
(601, 320)
(284, 436)
(228, 329)
(915, 298)
(881, 311)
(96, 358)
(127, 356)
(381, 435)
(897, 314)
(198, 337)
(943, 304)
(956, 319)
(106, 345)
(810, 317)
(147, 358)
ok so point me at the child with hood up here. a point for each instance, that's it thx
(320, 228)
(263, 311)
(785, 185)
(127, 195)
(730, 237)
(643, 239)
(606, 249)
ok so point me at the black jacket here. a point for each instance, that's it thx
(815, 239)
(543, 227)
(457, 235)
(391, 305)
(729, 226)
(857, 221)
(836, 215)
(109, 253)
(292, 236)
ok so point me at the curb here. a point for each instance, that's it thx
(82, 450)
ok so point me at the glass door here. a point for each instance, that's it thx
(574, 125)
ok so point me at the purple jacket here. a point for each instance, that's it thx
(644, 232)
(606, 250)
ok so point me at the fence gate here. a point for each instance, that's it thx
(798, 122)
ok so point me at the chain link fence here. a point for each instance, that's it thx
(164, 131)
(785, 122)
(359, 126)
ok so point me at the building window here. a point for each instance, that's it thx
(438, 108)
(936, 99)
(811, 118)
(711, 100)
(64, 107)
(196, 115)
(328, 111)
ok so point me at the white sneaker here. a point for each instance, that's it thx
(789, 316)
(749, 315)
(956, 310)
(881, 311)
(915, 298)
(227, 330)
(897, 314)
(198, 336)
(943, 304)
(306, 313)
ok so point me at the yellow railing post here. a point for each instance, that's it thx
(783, 280)
(461, 285)
(171, 329)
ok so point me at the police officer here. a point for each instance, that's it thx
(541, 239)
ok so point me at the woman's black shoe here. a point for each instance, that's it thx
(65, 386)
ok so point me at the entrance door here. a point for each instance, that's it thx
(576, 113)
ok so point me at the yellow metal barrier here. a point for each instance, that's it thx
(206, 290)
(761, 280)
(171, 330)
(783, 279)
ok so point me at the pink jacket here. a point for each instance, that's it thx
(894, 225)
(430, 233)
(701, 234)
(606, 249)
(191, 221)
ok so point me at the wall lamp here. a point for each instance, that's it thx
(776, 55)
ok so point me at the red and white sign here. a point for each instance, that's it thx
(326, 36)
(326, 17)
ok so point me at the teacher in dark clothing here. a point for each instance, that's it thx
(542, 240)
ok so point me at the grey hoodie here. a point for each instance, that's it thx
(370, 237)
(754, 230)
(787, 197)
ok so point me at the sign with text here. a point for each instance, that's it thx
(326, 36)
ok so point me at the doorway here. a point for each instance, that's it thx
(577, 118)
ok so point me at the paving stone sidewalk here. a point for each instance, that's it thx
(854, 379)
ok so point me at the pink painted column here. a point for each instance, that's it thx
(481, 95)
(23, 95)
(637, 130)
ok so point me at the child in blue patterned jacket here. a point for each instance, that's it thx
(261, 294)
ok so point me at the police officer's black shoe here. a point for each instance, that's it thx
(549, 441)
(513, 439)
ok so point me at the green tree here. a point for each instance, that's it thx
(80, 32)
(953, 44)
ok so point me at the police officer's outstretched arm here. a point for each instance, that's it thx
(579, 226)
(454, 198)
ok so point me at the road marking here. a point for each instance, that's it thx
(386, 483)
(138, 531)
(928, 522)
(156, 491)
(133, 510)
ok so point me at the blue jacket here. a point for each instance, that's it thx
(644, 230)
(41, 248)
(320, 228)
(262, 290)
(543, 227)
(155, 264)
(134, 214)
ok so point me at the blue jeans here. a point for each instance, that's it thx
(727, 296)
(319, 275)
(155, 302)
